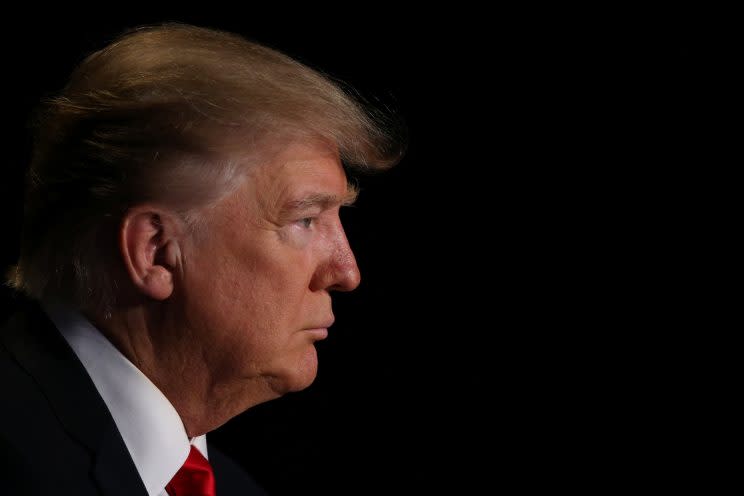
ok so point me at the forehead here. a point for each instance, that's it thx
(301, 168)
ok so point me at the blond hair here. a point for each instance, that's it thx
(173, 114)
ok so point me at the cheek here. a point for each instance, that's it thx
(264, 297)
(254, 289)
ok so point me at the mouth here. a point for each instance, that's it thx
(320, 331)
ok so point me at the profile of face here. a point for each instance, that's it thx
(257, 289)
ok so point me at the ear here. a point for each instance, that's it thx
(149, 240)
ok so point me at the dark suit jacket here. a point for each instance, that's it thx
(57, 436)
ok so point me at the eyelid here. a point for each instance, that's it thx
(313, 213)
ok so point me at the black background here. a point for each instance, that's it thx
(516, 265)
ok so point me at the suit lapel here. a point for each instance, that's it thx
(114, 470)
(42, 351)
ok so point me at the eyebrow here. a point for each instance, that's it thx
(322, 200)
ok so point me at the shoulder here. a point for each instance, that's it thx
(231, 479)
(27, 406)
(39, 456)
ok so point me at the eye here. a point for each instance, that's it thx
(306, 222)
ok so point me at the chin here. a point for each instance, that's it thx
(300, 374)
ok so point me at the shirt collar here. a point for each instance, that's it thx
(149, 425)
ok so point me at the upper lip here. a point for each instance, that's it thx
(325, 325)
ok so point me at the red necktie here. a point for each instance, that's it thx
(194, 478)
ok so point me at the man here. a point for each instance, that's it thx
(181, 241)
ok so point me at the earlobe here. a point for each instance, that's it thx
(150, 251)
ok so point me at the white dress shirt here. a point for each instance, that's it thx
(151, 428)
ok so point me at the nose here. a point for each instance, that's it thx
(340, 271)
(348, 275)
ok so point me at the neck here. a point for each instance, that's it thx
(168, 355)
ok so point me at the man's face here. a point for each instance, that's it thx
(257, 289)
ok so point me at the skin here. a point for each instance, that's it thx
(228, 320)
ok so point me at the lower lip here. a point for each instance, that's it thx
(318, 333)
